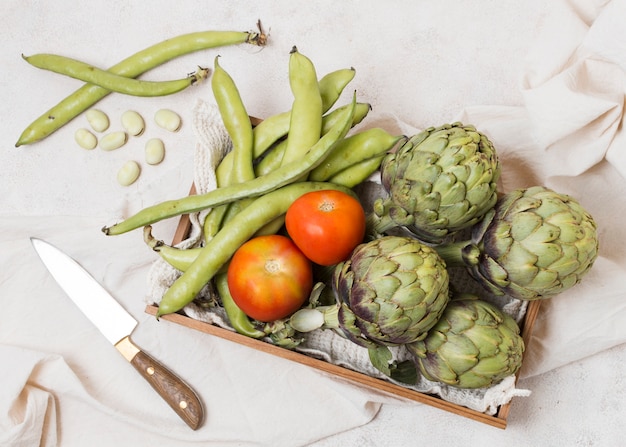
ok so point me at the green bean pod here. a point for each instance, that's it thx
(131, 67)
(306, 111)
(237, 318)
(218, 251)
(236, 121)
(273, 159)
(115, 83)
(358, 172)
(361, 146)
(275, 127)
(252, 188)
(178, 258)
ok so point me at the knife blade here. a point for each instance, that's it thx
(116, 324)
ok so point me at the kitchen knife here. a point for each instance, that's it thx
(116, 324)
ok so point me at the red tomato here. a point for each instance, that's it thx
(326, 225)
(269, 278)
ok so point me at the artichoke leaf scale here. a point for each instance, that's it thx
(492, 272)
(497, 243)
(544, 281)
(451, 191)
(522, 225)
(519, 264)
(482, 195)
(493, 368)
(487, 337)
(523, 205)
(459, 353)
(435, 369)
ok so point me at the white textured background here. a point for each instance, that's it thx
(422, 62)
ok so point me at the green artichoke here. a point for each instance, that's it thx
(440, 181)
(390, 292)
(473, 345)
(534, 244)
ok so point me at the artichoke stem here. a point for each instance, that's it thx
(452, 253)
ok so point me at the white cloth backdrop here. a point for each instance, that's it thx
(546, 82)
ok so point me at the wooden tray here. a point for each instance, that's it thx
(498, 420)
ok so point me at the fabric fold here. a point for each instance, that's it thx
(573, 91)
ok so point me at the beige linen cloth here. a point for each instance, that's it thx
(568, 135)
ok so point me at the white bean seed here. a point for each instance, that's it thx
(128, 173)
(85, 139)
(168, 119)
(155, 151)
(98, 120)
(133, 123)
(113, 140)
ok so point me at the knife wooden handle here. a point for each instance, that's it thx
(171, 388)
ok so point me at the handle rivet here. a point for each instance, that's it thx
(182, 404)
(150, 370)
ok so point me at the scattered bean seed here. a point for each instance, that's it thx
(168, 119)
(155, 151)
(85, 139)
(113, 140)
(128, 173)
(98, 120)
(133, 123)
(131, 67)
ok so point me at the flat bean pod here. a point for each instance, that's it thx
(218, 251)
(306, 111)
(273, 159)
(238, 319)
(131, 67)
(178, 258)
(236, 121)
(357, 173)
(354, 149)
(121, 84)
(275, 127)
(239, 127)
(253, 188)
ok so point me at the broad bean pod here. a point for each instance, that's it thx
(110, 81)
(179, 258)
(237, 318)
(218, 251)
(306, 111)
(131, 67)
(361, 146)
(273, 159)
(358, 172)
(239, 127)
(236, 121)
(275, 127)
(253, 188)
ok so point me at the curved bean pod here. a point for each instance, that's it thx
(239, 127)
(273, 128)
(238, 319)
(306, 111)
(253, 188)
(115, 83)
(273, 159)
(236, 121)
(218, 251)
(357, 173)
(131, 67)
(178, 258)
(354, 149)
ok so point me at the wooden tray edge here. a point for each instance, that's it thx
(337, 371)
